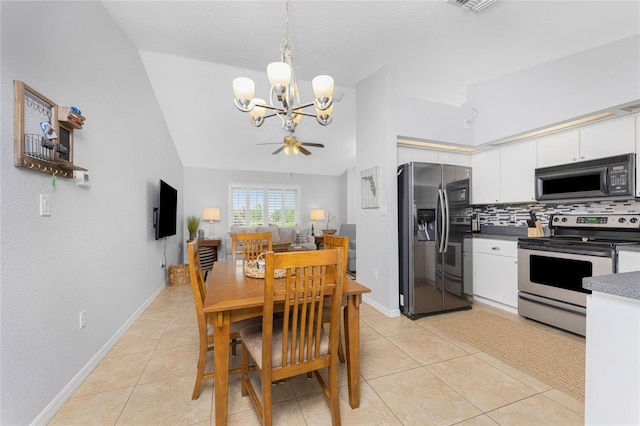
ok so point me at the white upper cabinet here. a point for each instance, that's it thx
(517, 172)
(606, 139)
(504, 175)
(485, 177)
(609, 138)
(560, 148)
(408, 155)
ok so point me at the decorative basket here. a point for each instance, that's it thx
(281, 246)
(179, 274)
(252, 270)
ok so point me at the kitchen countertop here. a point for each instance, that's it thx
(509, 233)
(626, 284)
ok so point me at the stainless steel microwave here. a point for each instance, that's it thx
(609, 178)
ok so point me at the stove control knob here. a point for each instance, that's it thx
(564, 219)
(633, 220)
(622, 220)
(555, 219)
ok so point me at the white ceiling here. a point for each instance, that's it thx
(447, 47)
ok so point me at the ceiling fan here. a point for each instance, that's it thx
(291, 145)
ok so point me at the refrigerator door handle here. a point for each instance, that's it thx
(443, 223)
(446, 225)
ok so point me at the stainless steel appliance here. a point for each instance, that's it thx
(605, 178)
(433, 219)
(551, 269)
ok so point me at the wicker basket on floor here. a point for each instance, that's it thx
(179, 274)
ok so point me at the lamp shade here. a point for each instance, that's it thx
(243, 88)
(211, 213)
(317, 215)
(258, 111)
(279, 73)
(322, 86)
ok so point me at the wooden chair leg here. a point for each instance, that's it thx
(202, 361)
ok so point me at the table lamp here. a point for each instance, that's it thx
(211, 214)
(316, 216)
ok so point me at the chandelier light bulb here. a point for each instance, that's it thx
(322, 86)
(279, 73)
(286, 150)
(258, 110)
(296, 150)
(243, 88)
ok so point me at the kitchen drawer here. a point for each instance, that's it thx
(495, 247)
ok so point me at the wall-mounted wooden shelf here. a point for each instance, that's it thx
(32, 148)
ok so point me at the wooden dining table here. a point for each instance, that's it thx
(232, 296)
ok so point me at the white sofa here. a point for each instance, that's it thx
(278, 234)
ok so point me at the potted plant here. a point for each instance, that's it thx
(192, 225)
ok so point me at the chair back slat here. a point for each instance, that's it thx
(252, 244)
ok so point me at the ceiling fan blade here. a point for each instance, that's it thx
(270, 143)
(304, 151)
(277, 151)
(317, 145)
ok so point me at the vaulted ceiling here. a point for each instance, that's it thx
(444, 47)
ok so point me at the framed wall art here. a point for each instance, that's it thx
(369, 188)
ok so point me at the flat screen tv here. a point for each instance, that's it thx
(165, 213)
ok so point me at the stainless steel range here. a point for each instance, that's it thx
(550, 269)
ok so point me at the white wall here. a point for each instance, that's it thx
(556, 91)
(96, 252)
(377, 233)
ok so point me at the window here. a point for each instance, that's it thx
(271, 205)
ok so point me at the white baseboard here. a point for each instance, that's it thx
(391, 313)
(495, 304)
(67, 392)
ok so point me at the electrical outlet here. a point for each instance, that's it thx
(83, 319)
(375, 273)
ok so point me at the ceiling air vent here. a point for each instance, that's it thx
(475, 5)
(631, 108)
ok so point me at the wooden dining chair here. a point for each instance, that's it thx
(331, 242)
(205, 329)
(252, 244)
(296, 343)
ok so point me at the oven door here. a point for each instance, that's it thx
(558, 275)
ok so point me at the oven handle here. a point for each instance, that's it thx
(558, 249)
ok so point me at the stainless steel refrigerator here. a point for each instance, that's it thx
(434, 223)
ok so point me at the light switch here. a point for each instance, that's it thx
(45, 205)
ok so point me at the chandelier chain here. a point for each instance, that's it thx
(285, 49)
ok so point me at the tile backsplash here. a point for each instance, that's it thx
(517, 215)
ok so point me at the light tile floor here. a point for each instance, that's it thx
(411, 374)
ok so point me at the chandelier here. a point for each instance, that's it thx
(284, 96)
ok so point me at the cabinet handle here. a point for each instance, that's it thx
(495, 248)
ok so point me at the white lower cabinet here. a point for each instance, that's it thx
(612, 373)
(495, 273)
(628, 261)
